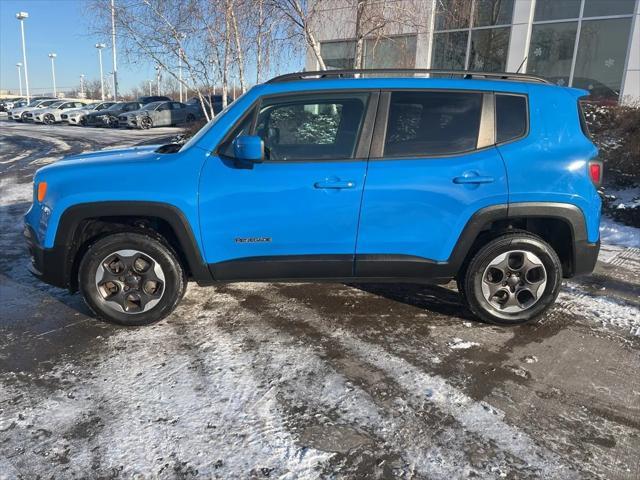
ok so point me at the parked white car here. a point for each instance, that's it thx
(77, 115)
(19, 114)
(51, 114)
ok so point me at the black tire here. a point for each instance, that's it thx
(146, 123)
(173, 286)
(48, 119)
(190, 118)
(471, 282)
(83, 122)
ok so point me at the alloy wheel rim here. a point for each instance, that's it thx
(514, 281)
(129, 281)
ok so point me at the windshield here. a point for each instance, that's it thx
(193, 140)
(54, 104)
(35, 102)
(91, 106)
(115, 106)
(152, 105)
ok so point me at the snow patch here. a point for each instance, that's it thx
(459, 344)
(614, 233)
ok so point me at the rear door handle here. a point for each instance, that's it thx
(473, 179)
(335, 184)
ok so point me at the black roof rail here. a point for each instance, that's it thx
(467, 74)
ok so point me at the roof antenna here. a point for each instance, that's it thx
(522, 64)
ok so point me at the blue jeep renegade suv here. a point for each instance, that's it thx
(376, 176)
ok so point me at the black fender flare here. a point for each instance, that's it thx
(65, 243)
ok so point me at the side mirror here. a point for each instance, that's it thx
(248, 148)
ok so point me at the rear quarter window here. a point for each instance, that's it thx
(512, 117)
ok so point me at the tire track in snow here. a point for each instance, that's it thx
(479, 418)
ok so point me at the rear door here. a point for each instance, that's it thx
(296, 214)
(178, 113)
(434, 164)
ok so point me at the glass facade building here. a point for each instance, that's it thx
(590, 44)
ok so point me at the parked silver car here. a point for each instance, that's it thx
(20, 114)
(158, 114)
(51, 114)
(77, 115)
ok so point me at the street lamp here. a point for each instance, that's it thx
(82, 95)
(100, 46)
(113, 50)
(21, 16)
(19, 65)
(53, 56)
(158, 69)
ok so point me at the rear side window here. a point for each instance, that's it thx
(583, 119)
(511, 117)
(432, 123)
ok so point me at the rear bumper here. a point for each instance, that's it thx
(585, 257)
(47, 264)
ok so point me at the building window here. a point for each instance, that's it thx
(450, 50)
(461, 45)
(390, 52)
(551, 51)
(556, 9)
(338, 55)
(602, 48)
(489, 49)
(603, 8)
(492, 12)
(594, 62)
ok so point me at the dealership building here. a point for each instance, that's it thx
(590, 44)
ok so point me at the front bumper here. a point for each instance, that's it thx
(47, 264)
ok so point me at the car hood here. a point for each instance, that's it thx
(134, 153)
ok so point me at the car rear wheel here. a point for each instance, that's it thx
(511, 280)
(131, 279)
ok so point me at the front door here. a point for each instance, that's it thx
(296, 214)
(433, 165)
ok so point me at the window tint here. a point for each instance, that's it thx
(321, 127)
(432, 123)
(176, 105)
(511, 117)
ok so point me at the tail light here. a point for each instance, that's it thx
(595, 172)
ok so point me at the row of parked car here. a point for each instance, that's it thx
(146, 112)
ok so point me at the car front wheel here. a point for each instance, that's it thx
(48, 119)
(131, 279)
(146, 123)
(511, 280)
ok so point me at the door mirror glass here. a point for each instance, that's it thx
(248, 148)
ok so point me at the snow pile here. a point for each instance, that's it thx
(614, 233)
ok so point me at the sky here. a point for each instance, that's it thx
(59, 26)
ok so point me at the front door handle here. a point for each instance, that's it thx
(473, 179)
(334, 184)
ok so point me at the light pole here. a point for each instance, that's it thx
(21, 16)
(158, 69)
(150, 92)
(113, 50)
(53, 56)
(82, 95)
(19, 65)
(100, 46)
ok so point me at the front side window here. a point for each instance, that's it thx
(511, 117)
(432, 123)
(322, 127)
